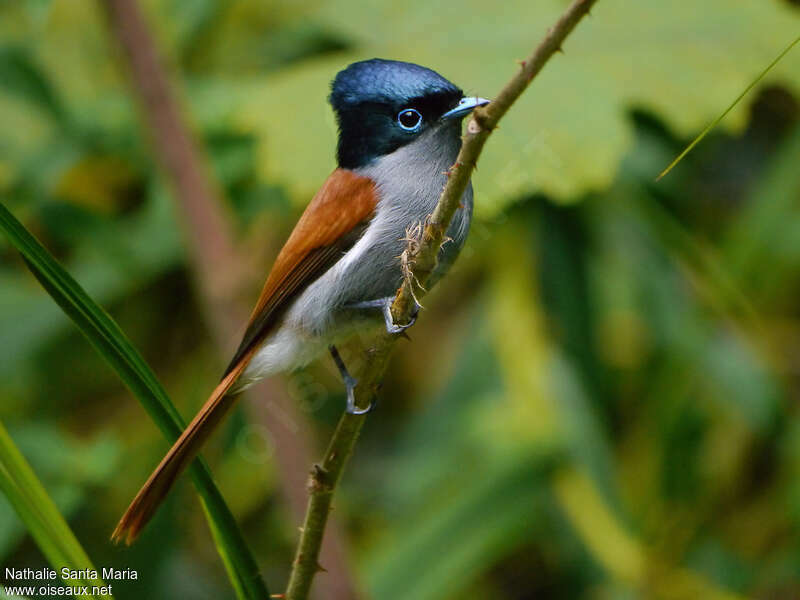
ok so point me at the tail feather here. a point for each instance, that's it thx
(183, 451)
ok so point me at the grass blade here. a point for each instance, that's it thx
(113, 345)
(716, 121)
(41, 517)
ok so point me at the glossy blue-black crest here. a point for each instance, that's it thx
(387, 82)
(368, 97)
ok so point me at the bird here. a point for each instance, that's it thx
(399, 131)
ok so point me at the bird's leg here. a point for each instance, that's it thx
(385, 304)
(350, 383)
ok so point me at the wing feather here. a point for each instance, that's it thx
(331, 224)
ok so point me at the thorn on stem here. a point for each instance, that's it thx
(321, 568)
(318, 480)
(452, 168)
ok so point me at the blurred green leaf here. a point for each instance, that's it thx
(136, 250)
(103, 333)
(429, 453)
(762, 231)
(40, 515)
(21, 77)
(678, 63)
(489, 516)
(71, 470)
(736, 101)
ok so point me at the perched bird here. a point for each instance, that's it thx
(399, 132)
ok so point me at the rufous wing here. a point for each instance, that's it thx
(330, 225)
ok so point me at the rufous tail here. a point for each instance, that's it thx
(183, 451)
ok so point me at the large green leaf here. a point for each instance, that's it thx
(104, 334)
(685, 61)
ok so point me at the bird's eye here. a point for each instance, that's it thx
(409, 119)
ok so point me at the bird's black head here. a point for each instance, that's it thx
(383, 104)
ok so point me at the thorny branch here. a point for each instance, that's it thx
(421, 255)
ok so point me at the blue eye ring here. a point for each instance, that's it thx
(409, 119)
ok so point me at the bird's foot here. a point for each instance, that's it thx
(351, 408)
(385, 305)
(350, 384)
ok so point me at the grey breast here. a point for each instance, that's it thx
(409, 182)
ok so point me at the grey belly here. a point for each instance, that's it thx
(378, 272)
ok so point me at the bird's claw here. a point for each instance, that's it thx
(351, 408)
(391, 326)
(350, 384)
(385, 304)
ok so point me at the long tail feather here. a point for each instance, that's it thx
(183, 451)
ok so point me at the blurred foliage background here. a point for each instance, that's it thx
(599, 402)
